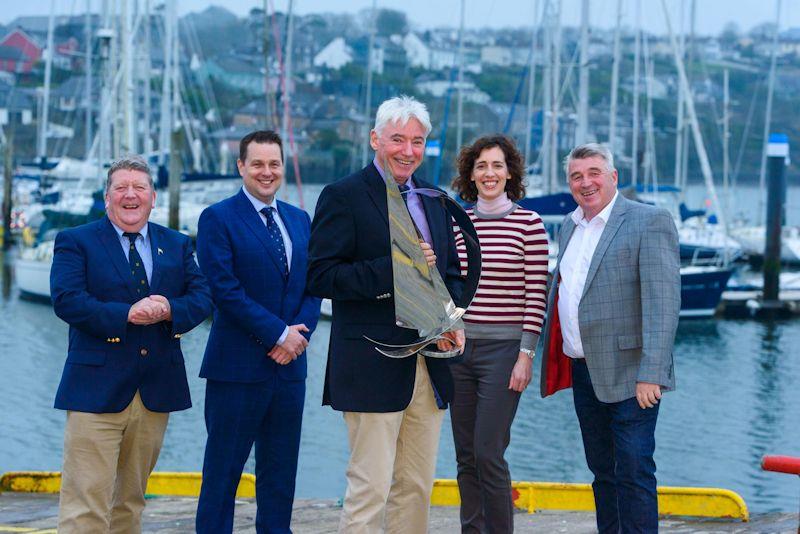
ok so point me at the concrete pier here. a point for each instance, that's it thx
(36, 513)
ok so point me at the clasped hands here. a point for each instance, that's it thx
(292, 347)
(150, 310)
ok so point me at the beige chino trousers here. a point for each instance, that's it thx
(392, 464)
(108, 458)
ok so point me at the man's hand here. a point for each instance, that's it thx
(521, 373)
(148, 311)
(647, 394)
(427, 251)
(280, 355)
(295, 343)
(455, 338)
(163, 300)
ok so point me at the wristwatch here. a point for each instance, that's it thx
(531, 353)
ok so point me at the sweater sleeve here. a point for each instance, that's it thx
(536, 254)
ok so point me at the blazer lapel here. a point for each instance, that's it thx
(563, 238)
(613, 224)
(156, 251)
(251, 219)
(376, 190)
(291, 228)
(110, 240)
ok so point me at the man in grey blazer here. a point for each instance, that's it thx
(612, 314)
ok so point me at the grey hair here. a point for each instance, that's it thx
(401, 109)
(130, 163)
(589, 150)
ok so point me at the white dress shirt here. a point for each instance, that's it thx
(287, 242)
(573, 270)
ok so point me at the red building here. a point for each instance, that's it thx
(18, 52)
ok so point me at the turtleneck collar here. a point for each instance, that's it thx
(501, 204)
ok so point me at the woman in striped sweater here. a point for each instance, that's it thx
(502, 325)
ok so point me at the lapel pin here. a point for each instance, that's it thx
(160, 251)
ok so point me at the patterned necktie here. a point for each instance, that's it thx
(275, 237)
(403, 188)
(137, 266)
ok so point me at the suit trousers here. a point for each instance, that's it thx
(268, 414)
(108, 458)
(619, 442)
(481, 414)
(392, 464)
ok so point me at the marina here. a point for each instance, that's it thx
(682, 113)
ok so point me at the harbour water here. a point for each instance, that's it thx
(737, 399)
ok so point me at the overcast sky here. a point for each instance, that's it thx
(712, 15)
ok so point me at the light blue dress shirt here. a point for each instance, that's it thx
(142, 245)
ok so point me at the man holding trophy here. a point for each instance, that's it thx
(393, 406)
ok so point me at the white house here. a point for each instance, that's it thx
(335, 55)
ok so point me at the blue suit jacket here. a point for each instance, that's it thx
(351, 264)
(254, 301)
(108, 358)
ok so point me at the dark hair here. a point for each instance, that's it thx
(259, 136)
(465, 187)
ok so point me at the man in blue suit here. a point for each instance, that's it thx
(393, 408)
(253, 249)
(128, 290)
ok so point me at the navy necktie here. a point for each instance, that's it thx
(137, 266)
(275, 237)
(403, 188)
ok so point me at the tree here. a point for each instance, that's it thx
(391, 22)
(730, 34)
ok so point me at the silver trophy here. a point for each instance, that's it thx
(421, 300)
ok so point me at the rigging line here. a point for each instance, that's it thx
(288, 113)
(746, 132)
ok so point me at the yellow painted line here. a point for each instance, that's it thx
(529, 496)
(28, 530)
(533, 496)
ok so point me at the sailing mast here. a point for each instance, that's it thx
(165, 129)
(531, 88)
(368, 95)
(697, 136)
(88, 68)
(612, 119)
(762, 173)
(726, 119)
(582, 131)
(635, 126)
(41, 151)
(556, 95)
(459, 87)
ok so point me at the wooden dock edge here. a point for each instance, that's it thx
(528, 496)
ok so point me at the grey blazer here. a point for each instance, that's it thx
(628, 313)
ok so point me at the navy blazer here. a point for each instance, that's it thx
(254, 300)
(108, 358)
(350, 263)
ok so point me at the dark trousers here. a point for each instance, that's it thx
(481, 413)
(619, 441)
(238, 415)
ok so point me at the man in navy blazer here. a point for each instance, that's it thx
(253, 249)
(393, 408)
(128, 290)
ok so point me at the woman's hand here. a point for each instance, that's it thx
(521, 374)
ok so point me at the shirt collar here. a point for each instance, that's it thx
(120, 231)
(258, 204)
(605, 213)
(409, 182)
